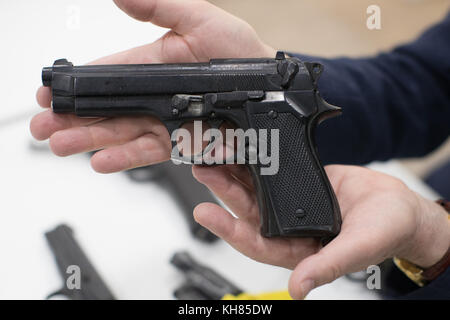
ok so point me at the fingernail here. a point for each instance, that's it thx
(305, 287)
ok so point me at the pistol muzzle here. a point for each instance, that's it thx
(47, 76)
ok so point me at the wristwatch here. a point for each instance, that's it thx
(420, 275)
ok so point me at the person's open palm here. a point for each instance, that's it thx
(199, 32)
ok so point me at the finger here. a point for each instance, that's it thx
(145, 150)
(243, 236)
(46, 123)
(103, 134)
(148, 53)
(236, 196)
(44, 97)
(242, 174)
(341, 256)
(179, 15)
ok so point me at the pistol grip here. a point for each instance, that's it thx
(298, 200)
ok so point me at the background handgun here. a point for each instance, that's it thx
(182, 186)
(68, 253)
(273, 94)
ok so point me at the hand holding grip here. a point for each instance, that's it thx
(260, 93)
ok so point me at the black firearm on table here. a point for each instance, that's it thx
(181, 185)
(270, 94)
(81, 279)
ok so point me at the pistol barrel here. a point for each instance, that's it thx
(111, 82)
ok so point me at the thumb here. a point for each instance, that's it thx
(341, 256)
(179, 15)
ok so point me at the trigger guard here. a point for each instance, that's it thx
(178, 158)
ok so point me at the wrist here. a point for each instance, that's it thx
(431, 239)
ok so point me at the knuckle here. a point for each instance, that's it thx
(335, 271)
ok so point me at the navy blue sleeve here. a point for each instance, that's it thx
(395, 105)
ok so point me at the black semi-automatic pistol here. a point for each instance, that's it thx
(71, 260)
(278, 95)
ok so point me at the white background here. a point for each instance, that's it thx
(128, 230)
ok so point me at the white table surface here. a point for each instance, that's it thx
(128, 230)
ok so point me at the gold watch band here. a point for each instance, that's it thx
(412, 271)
